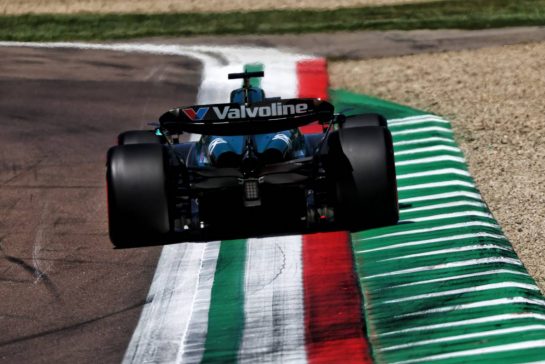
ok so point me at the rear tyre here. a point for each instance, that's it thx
(138, 137)
(138, 195)
(361, 120)
(362, 174)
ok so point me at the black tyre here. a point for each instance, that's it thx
(362, 174)
(357, 121)
(138, 137)
(138, 195)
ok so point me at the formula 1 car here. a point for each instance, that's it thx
(251, 172)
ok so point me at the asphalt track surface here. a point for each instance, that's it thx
(374, 44)
(67, 295)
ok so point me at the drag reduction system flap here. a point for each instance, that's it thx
(268, 116)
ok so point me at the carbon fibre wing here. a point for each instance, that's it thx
(268, 116)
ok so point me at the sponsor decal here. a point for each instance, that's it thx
(213, 144)
(198, 115)
(283, 137)
(251, 112)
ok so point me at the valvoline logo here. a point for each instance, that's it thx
(198, 115)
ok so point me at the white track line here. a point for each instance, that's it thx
(418, 118)
(191, 349)
(466, 213)
(533, 344)
(435, 228)
(433, 241)
(435, 148)
(396, 126)
(464, 263)
(479, 304)
(168, 307)
(439, 158)
(443, 206)
(424, 140)
(425, 186)
(480, 320)
(459, 277)
(422, 130)
(449, 251)
(473, 195)
(460, 291)
(449, 239)
(521, 329)
(451, 216)
(273, 300)
(435, 172)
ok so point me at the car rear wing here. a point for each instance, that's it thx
(268, 116)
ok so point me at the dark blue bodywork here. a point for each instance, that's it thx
(228, 151)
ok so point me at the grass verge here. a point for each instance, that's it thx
(477, 14)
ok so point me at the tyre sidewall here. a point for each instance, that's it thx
(362, 171)
(138, 194)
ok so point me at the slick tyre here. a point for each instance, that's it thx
(362, 171)
(138, 195)
(138, 137)
(361, 120)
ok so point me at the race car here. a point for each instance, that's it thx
(252, 172)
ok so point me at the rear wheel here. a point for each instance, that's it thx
(138, 137)
(362, 174)
(138, 195)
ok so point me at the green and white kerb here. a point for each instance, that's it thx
(444, 285)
